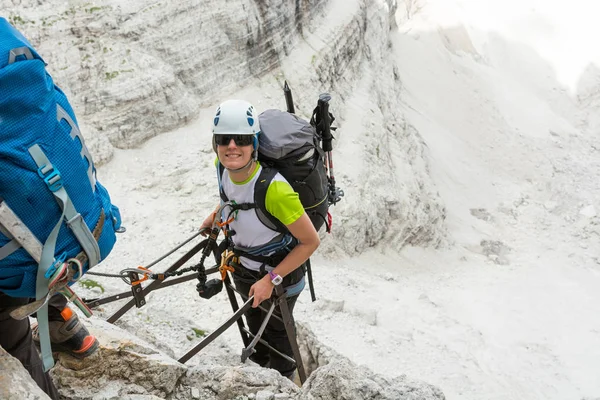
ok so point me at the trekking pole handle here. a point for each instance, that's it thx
(323, 105)
(289, 99)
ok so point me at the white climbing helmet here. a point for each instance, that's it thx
(236, 117)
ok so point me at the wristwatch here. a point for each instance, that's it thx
(275, 279)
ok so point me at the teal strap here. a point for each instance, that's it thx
(52, 178)
(8, 249)
(44, 334)
(41, 287)
(74, 219)
(83, 235)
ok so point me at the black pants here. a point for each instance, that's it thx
(15, 338)
(274, 333)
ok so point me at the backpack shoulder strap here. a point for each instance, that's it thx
(260, 196)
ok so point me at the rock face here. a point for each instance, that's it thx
(125, 365)
(15, 381)
(128, 367)
(588, 97)
(335, 377)
(136, 69)
(342, 380)
(379, 158)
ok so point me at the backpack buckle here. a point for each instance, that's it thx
(51, 176)
(55, 266)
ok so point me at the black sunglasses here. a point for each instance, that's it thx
(240, 140)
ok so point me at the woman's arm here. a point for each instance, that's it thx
(208, 221)
(308, 241)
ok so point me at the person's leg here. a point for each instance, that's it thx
(15, 338)
(275, 332)
(276, 335)
(67, 332)
(254, 318)
(56, 304)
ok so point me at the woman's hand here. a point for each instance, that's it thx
(262, 290)
(207, 224)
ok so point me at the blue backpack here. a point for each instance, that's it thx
(47, 176)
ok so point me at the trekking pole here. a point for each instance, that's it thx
(289, 99)
(325, 117)
(19, 232)
(311, 285)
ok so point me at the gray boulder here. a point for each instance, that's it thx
(127, 367)
(15, 381)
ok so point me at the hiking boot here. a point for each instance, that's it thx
(69, 335)
(294, 376)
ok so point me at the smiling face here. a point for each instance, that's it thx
(233, 156)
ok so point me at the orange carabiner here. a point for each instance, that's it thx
(224, 267)
(222, 224)
(145, 272)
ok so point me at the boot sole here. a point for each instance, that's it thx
(90, 346)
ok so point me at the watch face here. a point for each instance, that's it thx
(276, 279)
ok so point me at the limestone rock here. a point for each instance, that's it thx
(15, 381)
(128, 367)
(333, 376)
(136, 69)
(125, 364)
(340, 379)
(240, 382)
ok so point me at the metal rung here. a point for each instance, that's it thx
(270, 347)
(244, 297)
(212, 336)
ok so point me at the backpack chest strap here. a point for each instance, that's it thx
(271, 253)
